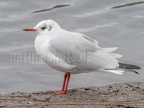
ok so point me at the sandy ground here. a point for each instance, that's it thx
(124, 95)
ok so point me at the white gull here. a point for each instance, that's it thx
(74, 53)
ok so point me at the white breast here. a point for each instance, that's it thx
(42, 49)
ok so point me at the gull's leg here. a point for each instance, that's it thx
(62, 91)
(68, 78)
(65, 84)
(64, 81)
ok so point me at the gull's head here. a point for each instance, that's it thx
(44, 27)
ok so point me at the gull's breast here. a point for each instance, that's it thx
(42, 47)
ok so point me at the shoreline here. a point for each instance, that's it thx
(122, 95)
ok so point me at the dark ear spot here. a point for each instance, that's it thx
(50, 28)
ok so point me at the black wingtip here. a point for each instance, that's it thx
(128, 66)
(136, 72)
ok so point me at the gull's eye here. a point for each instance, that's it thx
(43, 28)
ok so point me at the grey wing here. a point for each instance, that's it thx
(82, 52)
(73, 48)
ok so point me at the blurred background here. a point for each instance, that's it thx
(114, 23)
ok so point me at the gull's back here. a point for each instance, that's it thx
(81, 51)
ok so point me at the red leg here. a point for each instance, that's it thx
(68, 78)
(64, 81)
(65, 84)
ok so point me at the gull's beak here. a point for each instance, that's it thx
(29, 29)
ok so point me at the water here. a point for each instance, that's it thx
(112, 23)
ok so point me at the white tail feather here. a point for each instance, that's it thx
(119, 72)
(109, 49)
(116, 55)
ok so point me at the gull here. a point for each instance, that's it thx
(74, 53)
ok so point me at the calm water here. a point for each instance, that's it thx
(111, 22)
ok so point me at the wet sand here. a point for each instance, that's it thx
(123, 95)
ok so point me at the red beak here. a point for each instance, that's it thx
(29, 29)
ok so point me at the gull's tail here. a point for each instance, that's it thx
(128, 67)
(122, 68)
